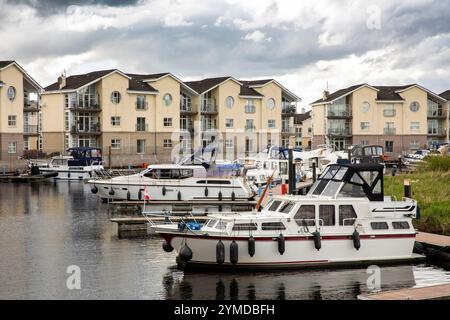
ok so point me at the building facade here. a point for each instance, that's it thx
(139, 118)
(303, 130)
(400, 118)
(19, 112)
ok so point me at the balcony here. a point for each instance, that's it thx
(188, 129)
(389, 131)
(141, 127)
(287, 130)
(287, 109)
(436, 114)
(186, 106)
(340, 111)
(208, 106)
(389, 112)
(438, 132)
(30, 130)
(250, 128)
(250, 108)
(205, 127)
(141, 105)
(30, 106)
(75, 107)
(343, 132)
(93, 129)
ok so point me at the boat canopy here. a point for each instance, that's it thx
(351, 180)
(84, 156)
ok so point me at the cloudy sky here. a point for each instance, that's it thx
(303, 45)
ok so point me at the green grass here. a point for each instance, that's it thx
(431, 188)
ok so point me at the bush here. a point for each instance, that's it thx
(435, 163)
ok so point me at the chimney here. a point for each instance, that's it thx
(62, 81)
(325, 95)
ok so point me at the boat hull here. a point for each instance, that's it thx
(299, 252)
(78, 173)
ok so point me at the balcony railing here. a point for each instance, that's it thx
(287, 129)
(141, 127)
(288, 108)
(389, 131)
(436, 114)
(30, 129)
(87, 107)
(437, 131)
(141, 105)
(250, 128)
(389, 112)
(339, 110)
(250, 108)
(208, 105)
(205, 127)
(339, 131)
(30, 106)
(186, 105)
(91, 129)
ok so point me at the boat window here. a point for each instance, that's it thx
(213, 182)
(273, 226)
(331, 189)
(326, 215)
(331, 172)
(377, 188)
(59, 162)
(305, 215)
(245, 227)
(347, 215)
(283, 168)
(322, 184)
(351, 191)
(356, 179)
(400, 225)
(369, 176)
(340, 174)
(211, 223)
(379, 225)
(286, 207)
(221, 225)
(274, 205)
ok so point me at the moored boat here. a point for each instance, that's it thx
(344, 219)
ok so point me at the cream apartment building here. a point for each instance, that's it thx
(141, 118)
(303, 130)
(19, 111)
(400, 118)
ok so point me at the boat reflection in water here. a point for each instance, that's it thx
(290, 285)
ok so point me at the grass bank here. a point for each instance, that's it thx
(431, 189)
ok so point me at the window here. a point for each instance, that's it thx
(140, 124)
(365, 107)
(389, 128)
(365, 142)
(229, 123)
(271, 124)
(245, 227)
(167, 143)
(286, 207)
(273, 226)
(400, 225)
(140, 145)
(115, 97)
(141, 103)
(389, 110)
(115, 121)
(379, 225)
(347, 215)
(414, 106)
(229, 143)
(249, 106)
(115, 143)
(12, 121)
(12, 147)
(229, 102)
(11, 93)
(414, 126)
(365, 126)
(249, 125)
(305, 215)
(389, 146)
(351, 191)
(167, 99)
(326, 215)
(167, 122)
(274, 206)
(271, 103)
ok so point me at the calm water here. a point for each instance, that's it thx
(45, 228)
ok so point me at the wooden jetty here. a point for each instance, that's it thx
(435, 247)
(137, 227)
(433, 239)
(423, 293)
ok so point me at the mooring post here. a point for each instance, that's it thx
(109, 157)
(314, 171)
(407, 191)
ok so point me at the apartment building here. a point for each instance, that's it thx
(400, 118)
(19, 111)
(303, 130)
(152, 117)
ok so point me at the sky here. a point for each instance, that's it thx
(308, 46)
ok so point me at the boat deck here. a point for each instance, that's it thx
(424, 293)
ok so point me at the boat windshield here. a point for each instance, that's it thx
(168, 173)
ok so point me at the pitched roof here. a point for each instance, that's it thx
(246, 91)
(148, 76)
(5, 63)
(445, 95)
(204, 85)
(79, 80)
(339, 93)
(256, 82)
(299, 117)
(137, 85)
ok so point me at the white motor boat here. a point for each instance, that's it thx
(78, 165)
(344, 219)
(172, 182)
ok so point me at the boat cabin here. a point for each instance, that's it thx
(350, 181)
(367, 154)
(174, 172)
(84, 156)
